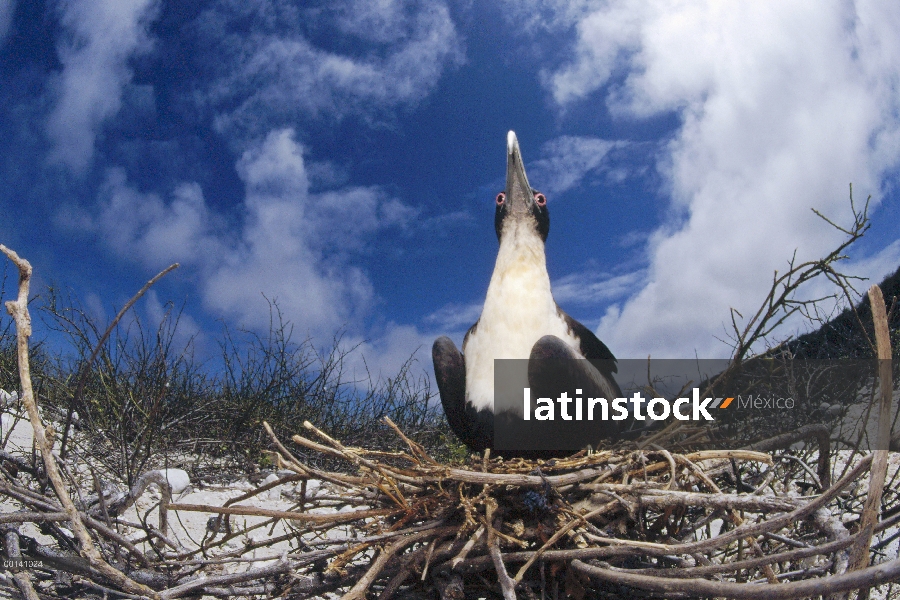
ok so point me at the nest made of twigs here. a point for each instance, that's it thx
(607, 524)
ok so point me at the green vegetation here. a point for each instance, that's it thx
(146, 402)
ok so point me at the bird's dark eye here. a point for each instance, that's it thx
(540, 199)
(501, 198)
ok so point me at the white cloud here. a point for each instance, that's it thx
(289, 253)
(292, 246)
(549, 15)
(782, 105)
(302, 228)
(152, 231)
(595, 288)
(96, 311)
(567, 160)
(383, 21)
(274, 72)
(389, 349)
(454, 318)
(100, 36)
(326, 174)
(605, 38)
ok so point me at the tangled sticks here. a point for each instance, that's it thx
(609, 523)
(613, 523)
(656, 519)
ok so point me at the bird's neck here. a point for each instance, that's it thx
(520, 273)
(518, 310)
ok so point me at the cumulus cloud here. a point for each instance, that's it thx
(261, 65)
(781, 106)
(288, 251)
(292, 246)
(277, 71)
(99, 38)
(154, 232)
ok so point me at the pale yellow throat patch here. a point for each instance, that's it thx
(518, 311)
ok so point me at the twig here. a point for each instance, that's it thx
(818, 431)
(33, 517)
(79, 389)
(507, 585)
(14, 553)
(358, 591)
(18, 309)
(860, 553)
(335, 518)
(872, 576)
(282, 566)
(561, 532)
(467, 547)
(409, 563)
(666, 498)
(805, 467)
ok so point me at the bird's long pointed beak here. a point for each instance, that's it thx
(519, 197)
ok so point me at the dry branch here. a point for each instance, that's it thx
(18, 309)
(872, 576)
(860, 552)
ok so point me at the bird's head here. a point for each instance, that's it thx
(519, 205)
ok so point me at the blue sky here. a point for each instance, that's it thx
(341, 157)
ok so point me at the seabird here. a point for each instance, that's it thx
(519, 320)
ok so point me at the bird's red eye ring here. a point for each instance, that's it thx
(501, 198)
(540, 199)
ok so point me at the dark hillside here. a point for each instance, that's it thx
(843, 337)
